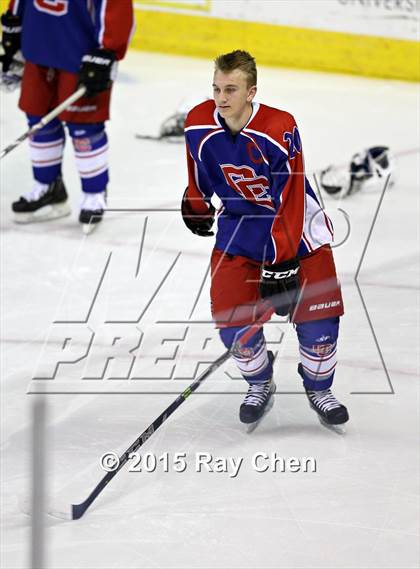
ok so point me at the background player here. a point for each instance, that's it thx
(272, 239)
(65, 43)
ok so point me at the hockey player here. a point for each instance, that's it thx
(273, 239)
(65, 44)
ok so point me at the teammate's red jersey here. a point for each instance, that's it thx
(57, 33)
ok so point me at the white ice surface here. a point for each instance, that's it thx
(360, 509)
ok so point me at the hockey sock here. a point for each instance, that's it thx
(90, 144)
(252, 358)
(318, 352)
(46, 150)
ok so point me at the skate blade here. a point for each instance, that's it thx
(46, 213)
(252, 426)
(339, 429)
(89, 228)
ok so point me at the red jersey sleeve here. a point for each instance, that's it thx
(287, 228)
(198, 190)
(195, 193)
(116, 25)
(16, 7)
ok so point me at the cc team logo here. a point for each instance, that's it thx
(53, 7)
(248, 184)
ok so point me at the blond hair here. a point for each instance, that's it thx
(238, 59)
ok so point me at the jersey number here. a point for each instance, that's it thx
(53, 7)
(294, 142)
(247, 184)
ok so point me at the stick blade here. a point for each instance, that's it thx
(77, 510)
(61, 514)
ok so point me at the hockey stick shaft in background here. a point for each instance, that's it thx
(77, 510)
(45, 120)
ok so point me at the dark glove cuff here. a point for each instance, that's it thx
(99, 53)
(11, 24)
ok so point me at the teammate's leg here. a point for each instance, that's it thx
(46, 150)
(90, 145)
(48, 198)
(86, 124)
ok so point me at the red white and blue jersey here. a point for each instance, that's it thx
(270, 212)
(57, 33)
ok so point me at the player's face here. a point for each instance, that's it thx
(231, 93)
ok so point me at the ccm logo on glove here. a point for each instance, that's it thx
(280, 284)
(280, 275)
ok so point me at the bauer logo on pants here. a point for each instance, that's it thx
(325, 305)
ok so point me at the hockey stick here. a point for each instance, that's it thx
(159, 138)
(45, 120)
(77, 510)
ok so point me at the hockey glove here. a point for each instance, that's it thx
(280, 284)
(200, 224)
(96, 71)
(10, 40)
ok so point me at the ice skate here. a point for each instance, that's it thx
(250, 427)
(258, 401)
(91, 211)
(43, 203)
(331, 413)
